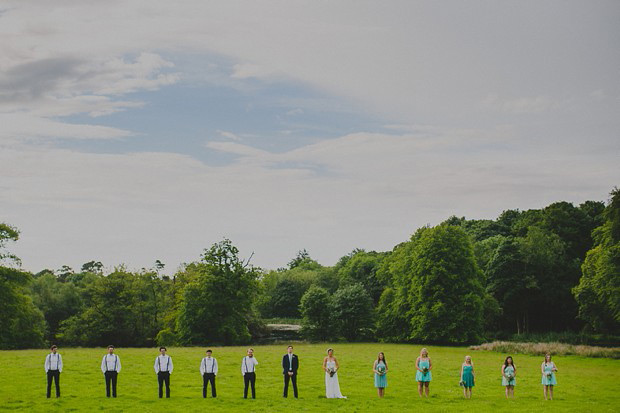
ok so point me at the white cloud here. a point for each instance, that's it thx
(22, 126)
(229, 135)
(360, 190)
(422, 69)
(524, 105)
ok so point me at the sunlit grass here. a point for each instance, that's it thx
(584, 384)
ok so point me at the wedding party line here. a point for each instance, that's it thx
(209, 368)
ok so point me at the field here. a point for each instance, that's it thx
(584, 384)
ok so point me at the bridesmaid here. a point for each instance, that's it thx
(467, 376)
(548, 370)
(380, 369)
(509, 372)
(423, 376)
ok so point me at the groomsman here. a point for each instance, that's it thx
(53, 368)
(290, 364)
(248, 370)
(163, 368)
(208, 369)
(110, 367)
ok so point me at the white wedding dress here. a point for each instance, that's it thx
(332, 387)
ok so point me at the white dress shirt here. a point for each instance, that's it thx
(248, 364)
(208, 365)
(163, 363)
(111, 362)
(53, 361)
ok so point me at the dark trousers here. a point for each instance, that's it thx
(110, 377)
(206, 378)
(292, 378)
(53, 375)
(249, 378)
(163, 377)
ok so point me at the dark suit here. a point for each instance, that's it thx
(287, 367)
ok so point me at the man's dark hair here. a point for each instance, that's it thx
(162, 347)
(53, 347)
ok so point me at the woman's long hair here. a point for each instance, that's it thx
(384, 360)
(513, 363)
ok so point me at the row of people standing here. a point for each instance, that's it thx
(467, 378)
(111, 366)
(163, 366)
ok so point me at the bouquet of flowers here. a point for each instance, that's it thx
(331, 371)
(509, 376)
(549, 376)
(461, 383)
(425, 370)
(381, 370)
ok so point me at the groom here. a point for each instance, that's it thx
(290, 364)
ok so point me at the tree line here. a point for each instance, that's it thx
(553, 269)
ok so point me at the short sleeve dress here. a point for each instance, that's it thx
(380, 379)
(509, 371)
(468, 376)
(419, 376)
(548, 377)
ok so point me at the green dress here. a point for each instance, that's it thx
(419, 376)
(509, 371)
(548, 377)
(381, 379)
(468, 376)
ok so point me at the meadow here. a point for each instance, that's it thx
(584, 384)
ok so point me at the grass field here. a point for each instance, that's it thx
(584, 384)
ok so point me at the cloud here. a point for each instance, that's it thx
(524, 105)
(22, 126)
(228, 135)
(360, 190)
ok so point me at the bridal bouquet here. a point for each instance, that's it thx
(331, 371)
(549, 376)
(381, 370)
(509, 376)
(425, 370)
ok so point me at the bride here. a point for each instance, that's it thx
(331, 366)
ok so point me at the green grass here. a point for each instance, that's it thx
(584, 384)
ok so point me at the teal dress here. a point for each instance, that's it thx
(419, 376)
(509, 371)
(381, 380)
(468, 376)
(548, 377)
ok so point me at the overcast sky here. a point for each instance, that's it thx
(132, 131)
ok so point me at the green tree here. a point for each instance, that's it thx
(316, 312)
(446, 294)
(598, 292)
(361, 267)
(437, 286)
(217, 305)
(352, 312)
(22, 324)
(57, 301)
(118, 308)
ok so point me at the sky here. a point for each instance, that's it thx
(135, 131)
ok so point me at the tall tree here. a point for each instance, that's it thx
(217, 306)
(598, 292)
(352, 312)
(316, 312)
(441, 284)
(22, 324)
